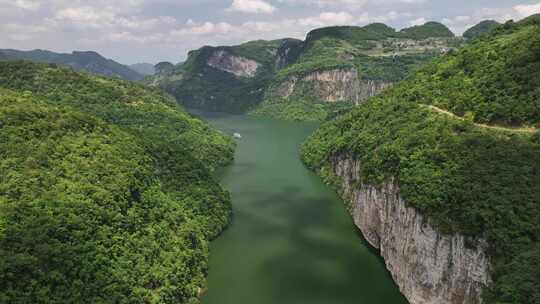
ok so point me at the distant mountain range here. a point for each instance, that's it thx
(333, 66)
(145, 69)
(88, 61)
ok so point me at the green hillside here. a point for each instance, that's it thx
(196, 84)
(427, 30)
(462, 138)
(377, 52)
(480, 29)
(106, 194)
(496, 80)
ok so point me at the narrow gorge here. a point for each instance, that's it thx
(355, 165)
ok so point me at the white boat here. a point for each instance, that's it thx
(237, 135)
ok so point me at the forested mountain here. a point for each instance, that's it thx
(106, 193)
(228, 79)
(461, 140)
(334, 67)
(338, 67)
(88, 61)
(145, 69)
(480, 29)
(428, 30)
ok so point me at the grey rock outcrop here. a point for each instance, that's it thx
(239, 66)
(428, 266)
(335, 85)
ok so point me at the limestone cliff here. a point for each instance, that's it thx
(334, 85)
(239, 66)
(428, 266)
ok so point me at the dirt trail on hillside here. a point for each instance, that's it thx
(520, 130)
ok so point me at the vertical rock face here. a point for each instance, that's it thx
(239, 66)
(370, 88)
(333, 86)
(428, 267)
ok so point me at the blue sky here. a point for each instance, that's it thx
(131, 31)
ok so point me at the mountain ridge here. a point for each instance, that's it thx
(237, 78)
(89, 61)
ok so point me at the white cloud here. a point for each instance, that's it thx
(336, 18)
(413, 1)
(19, 32)
(31, 5)
(84, 17)
(279, 28)
(27, 4)
(357, 3)
(136, 29)
(105, 19)
(252, 6)
(526, 10)
(460, 24)
(354, 4)
(418, 21)
(206, 28)
(390, 16)
(351, 4)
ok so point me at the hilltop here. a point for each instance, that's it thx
(480, 29)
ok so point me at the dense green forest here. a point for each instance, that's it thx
(430, 29)
(497, 80)
(106, 191)
(462, 138)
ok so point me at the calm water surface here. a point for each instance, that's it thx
(291, 240)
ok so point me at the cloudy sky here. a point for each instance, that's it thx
(131, 31)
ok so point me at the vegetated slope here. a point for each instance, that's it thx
(229, 79)
(497, 80)
(466, 178)
(427, 30)
(106, 193)
(480, 29)
(238, 78)
(344, 65)
(88, 61)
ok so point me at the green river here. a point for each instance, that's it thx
(291, 240)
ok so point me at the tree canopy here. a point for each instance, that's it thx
(106, 193)
(461, 137)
